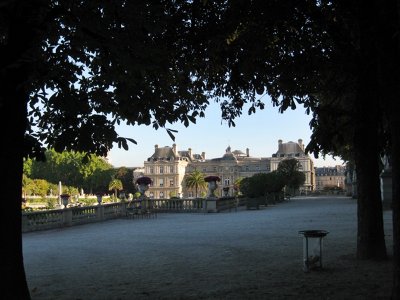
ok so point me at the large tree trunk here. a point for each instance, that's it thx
(13, 119)
(370, 235)
(17, 57)
(395, 130)
(388, 44)
(13, 274)
(395, 127)
(370, 231)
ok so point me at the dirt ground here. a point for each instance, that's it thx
(244, 254)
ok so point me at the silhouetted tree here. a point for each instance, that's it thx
(289, 169)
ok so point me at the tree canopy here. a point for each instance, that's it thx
(290, 170)
(262, 184)
(71, 168)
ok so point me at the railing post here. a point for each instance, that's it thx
(24, 222)
(211, 205)
(100, 212)
(67, 216)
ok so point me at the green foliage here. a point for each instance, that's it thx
(72, 169)
(86, 201)
(254, 186)
(237, 185)
(289, 169)
(126, 176)
(28, 186)
(261, 184)
(195, 180)
(51, 203)
(27, 167)
(115, 185)
(40, 187)
(275, 182)
(136, 195)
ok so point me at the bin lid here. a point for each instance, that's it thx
(314, 233)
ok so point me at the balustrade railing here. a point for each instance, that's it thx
(178, 205)
(50, 219)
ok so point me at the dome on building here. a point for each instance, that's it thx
(238, 153)
(228, 156)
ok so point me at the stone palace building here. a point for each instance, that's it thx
(167, 167)
(330, 177)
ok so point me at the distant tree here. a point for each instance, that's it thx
(115, 185)
(41, 187)
(28, 186)
(71, 168)
(27, 167)
(126, 176)
(195, 180)
(236, 185)
(289, 169)
(262, 184)
(275, 182)
(254, 186)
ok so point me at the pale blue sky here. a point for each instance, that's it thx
(259, 132)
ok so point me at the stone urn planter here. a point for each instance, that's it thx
(99, 198)
(226, 191)
(64, 199)
(143, 185)
(212, 185)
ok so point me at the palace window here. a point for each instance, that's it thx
(161, 169)
(171, 182)
(161, 195)
(161, 181)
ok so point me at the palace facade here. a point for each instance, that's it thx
(330, 178)
(168, 166)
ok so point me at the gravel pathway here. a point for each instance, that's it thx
(247, 254)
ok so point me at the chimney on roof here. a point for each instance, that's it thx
(155, 147)
(174, 148)
(190, 152)
(247, 152)
(203, 154)
(301, 144)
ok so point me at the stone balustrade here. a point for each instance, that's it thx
(57, 218)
